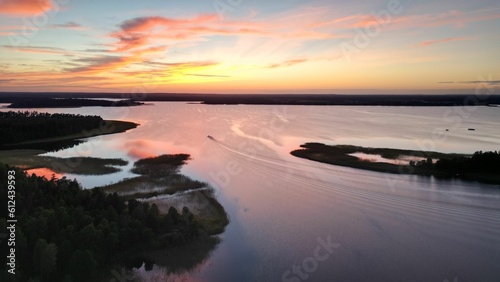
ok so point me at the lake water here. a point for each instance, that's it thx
(283, 209)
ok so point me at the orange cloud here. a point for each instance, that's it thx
(103, 64)
(136, 32)
(432, 42)
(24, 7)
(287, 63)
(139, 32)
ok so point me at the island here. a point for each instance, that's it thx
(480, 166)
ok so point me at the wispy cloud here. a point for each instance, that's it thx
(449, 39)
(488, 82)
(287, 63)
(455, 18)
(24, 7)
(101, 64)
(68, 25)
(139, 32)
(206, 75)
(38, 49)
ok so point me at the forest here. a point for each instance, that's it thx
(71, 103)
(65, 233)
(24, 126)
(479, 162)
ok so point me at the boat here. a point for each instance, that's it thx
(210, 137)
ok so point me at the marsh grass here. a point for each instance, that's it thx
(31, 159)
(159, 177)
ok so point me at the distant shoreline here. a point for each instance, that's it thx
(69, 102)
(278, 99)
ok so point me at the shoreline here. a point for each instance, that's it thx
(27, 155)
(420, 100)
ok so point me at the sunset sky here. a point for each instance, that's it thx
(250, 46)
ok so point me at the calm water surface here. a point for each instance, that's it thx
(386, 227)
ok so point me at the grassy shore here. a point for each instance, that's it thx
(160, 182)
(31, 159)
(340, 155)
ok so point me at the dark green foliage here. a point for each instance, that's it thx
(66, 233)
(163, 165)
(18, 127)
(482, 162)
(427, 164)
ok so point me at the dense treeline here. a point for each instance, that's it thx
(279, 99)
(479, 162)
(65, 233)
(71, 103)
(18, 127)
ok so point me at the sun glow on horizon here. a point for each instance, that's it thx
(256, 47)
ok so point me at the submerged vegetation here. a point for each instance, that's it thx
(481, 166)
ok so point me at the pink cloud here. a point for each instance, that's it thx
(24, 7)
(138, 32)
(432, 42)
